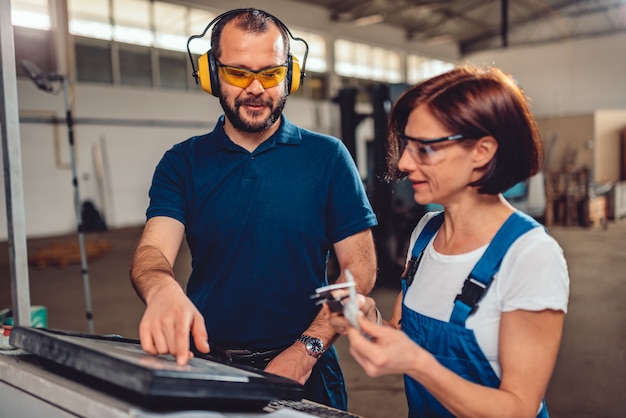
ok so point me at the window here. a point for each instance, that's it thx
(198, 21)
(135, 66)
(131, 22)
(144, 43)
(161, 27)
(344, 64)
(93, 62)
(170, 28)
(91, 18)
(173, 70)
(316, 60)
(421, 68)
(32, 14)
(364, 61)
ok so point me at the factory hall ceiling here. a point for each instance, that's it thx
(476, 25)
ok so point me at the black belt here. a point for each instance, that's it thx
(257, 359)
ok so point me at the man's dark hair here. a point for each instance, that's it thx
(249, 20)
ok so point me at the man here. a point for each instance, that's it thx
(260, 202)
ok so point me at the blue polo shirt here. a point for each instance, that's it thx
(259, 226)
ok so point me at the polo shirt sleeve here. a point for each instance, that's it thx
(167, 192)
(350, 211)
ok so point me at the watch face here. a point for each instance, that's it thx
(314, 345)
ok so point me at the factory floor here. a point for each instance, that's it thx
(590, 374)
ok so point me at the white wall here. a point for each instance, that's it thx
(568, 140)
(609, 127)
(591, 140)
(574, 77)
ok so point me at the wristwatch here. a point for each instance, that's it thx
(314, 346)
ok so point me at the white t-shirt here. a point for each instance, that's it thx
(533, 276)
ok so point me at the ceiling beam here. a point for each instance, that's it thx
(466, 45)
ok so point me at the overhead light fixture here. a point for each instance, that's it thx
(368, 20)
(438, 39)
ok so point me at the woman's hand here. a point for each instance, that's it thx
(385, 350)
(367, 311)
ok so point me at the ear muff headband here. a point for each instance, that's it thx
(208, 77)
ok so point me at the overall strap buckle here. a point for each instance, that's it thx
(472, 292)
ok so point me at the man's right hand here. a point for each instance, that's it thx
(167, 322)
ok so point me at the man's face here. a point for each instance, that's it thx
(252, 109)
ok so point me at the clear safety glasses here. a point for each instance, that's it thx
(425, 151)
(242, 78)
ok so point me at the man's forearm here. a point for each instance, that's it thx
(357, 254)
(149, 268)
(320, 328)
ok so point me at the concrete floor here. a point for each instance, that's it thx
(590, 375)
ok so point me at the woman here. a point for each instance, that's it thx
(485, 346)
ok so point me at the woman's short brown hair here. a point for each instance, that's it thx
(475, 102)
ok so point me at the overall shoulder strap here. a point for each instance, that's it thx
(429, 231)
(477, 283)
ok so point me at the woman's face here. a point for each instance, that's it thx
(441, 171)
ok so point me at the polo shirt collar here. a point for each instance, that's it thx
(287, 133)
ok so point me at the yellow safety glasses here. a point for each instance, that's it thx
(242, 78)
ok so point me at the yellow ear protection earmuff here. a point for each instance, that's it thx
(207, 74)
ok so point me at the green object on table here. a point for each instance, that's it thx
(38, 317)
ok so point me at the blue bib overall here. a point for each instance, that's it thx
(455, 346)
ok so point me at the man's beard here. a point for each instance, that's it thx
(234, 113)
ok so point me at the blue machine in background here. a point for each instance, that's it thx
(529, 196)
